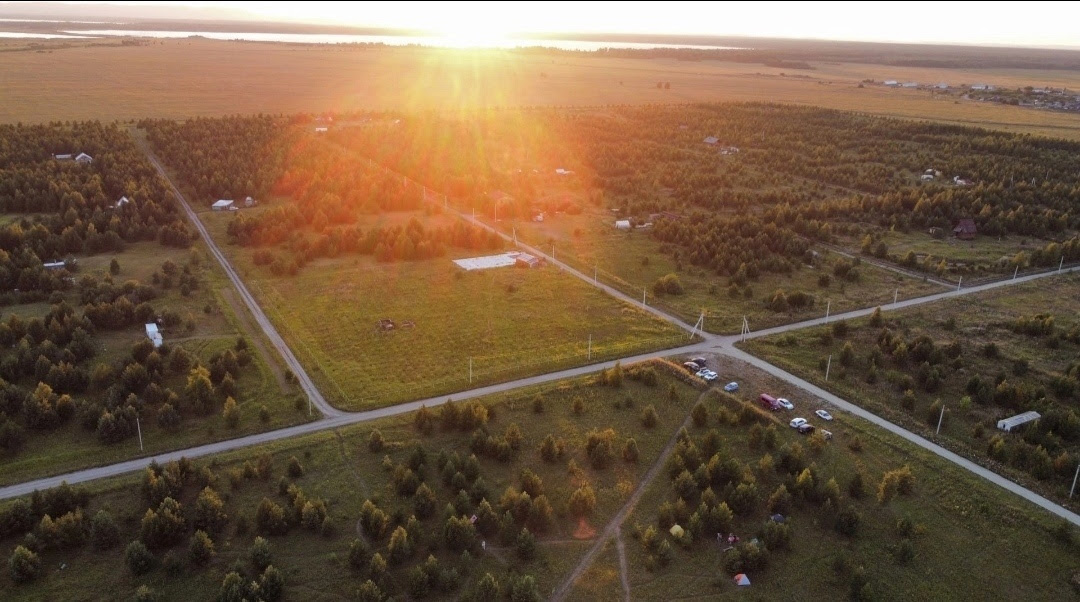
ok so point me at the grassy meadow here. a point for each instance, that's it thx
(963, 528)
(184, 78)
(340, 468)
(1027, 361)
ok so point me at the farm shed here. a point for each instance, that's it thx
(1008, 424)
(524, 260)
(84, 158)
(965, 229)
(123, 201)
(222, 205)
(487, 262)
(66, 157)
(53, 265)
(622, 224)
(154, 334)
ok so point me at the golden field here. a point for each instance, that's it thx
(182, 78)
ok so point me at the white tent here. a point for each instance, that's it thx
(742, 579)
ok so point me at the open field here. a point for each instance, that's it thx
(340, 469)
(184, 78)
(215, 327)
(965, 528)
(634, 261)
(999, 372)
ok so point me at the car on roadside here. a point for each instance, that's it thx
(692, 366)
(784, 403)
(769, 402)
(699, 361)
(797, 423)
(823, 415)
(708, 375)
(827, 434)
(805, 429)
(731, 387)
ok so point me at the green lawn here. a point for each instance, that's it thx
(340, 468)
(1030, 362)
(633, 261)
(968, 529)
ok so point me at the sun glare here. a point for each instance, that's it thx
(468, 33)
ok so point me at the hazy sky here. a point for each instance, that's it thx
(1012, 23)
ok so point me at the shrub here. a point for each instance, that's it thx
(209, 511)
(104, 534)
(359, 555)
(201, 550)
(600, 448)
(25, 566)
(139, 559)
(700, 415)
(260, 554)
(231, 413)
(525, 545)
(270, 518)
(538, 404)
(630, 450)
(271, 584)
(649, 417)
(582, 501)
(905, 551)
(376, 443)
(847, 521)
(294, 468)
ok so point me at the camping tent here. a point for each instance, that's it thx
(742, 579)
(777, 518)
(676, 531)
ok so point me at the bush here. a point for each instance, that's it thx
(582, 501)
(231, 413)
(525, 545)
(25, 565)
(270, 518)
(847, 521)
(700, 415)
(260, 554)
(139, 560)
(649, 417)
(538, 404)
(104, 534)
(905, 551)
(375, 442)
(294, 468)
(201, 550)
(145, 594)
(359, 555)
(630, 450)
(668, 284)
(271, 585)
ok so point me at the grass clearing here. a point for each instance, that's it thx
(340, 468)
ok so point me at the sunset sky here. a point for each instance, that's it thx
(1010, 23)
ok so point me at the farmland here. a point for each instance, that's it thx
(939, 542)
(341, 471)
(184, 78)
(981, 358)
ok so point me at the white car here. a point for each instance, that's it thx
(823, 415)
(797, 422)
(787, 405)
(708, 375)
(731, 387)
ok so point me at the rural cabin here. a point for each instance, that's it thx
(154, 334)
(123, 201)
(83, 158)
(712, 141)
(524, 260)
(965, 229)
(909, 85)
(1008, 424)
(622, 224)
(563, 172)
(63, 157)
(987, 87)
(222, 205)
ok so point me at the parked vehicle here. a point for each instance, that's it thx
(691, 366)
(787, 405)
(805, 429)
(823, 415)
(699, 361)
(769, 402)
(828, 434)
(797, 422)
(731, 387)
(707, 374)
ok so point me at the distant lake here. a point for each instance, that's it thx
(326, 38)
(48, 36)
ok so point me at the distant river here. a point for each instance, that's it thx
(325, 38)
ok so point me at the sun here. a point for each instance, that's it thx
(467, 32)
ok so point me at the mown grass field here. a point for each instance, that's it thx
(969, 529)
(975, 321)
(634, 261)
(340, 468)
(183, 78)
(216, 328)
(512, 323)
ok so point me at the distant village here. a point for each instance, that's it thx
(1054, 99)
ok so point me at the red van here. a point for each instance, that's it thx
(769, 402)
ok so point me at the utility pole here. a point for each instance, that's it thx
(138, 427)
(1073, 489)
(745, 328)
(643, 296)
(895, 296)
(940, 418)
(959, 283)
(828, 366)
(1061, 263)
(552, 251)
(470, 370)
(1016, 271)
(594, 274)
(590, 346)
(828, 306)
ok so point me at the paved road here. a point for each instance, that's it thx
(272, 335)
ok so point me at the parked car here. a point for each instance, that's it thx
(797, 422)
(828, 434)
(787, 405)
(805, 429)
(699, 361)
(707, 374)
(731, 387)
(691, 366)
(768, 402)
(823, 415)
